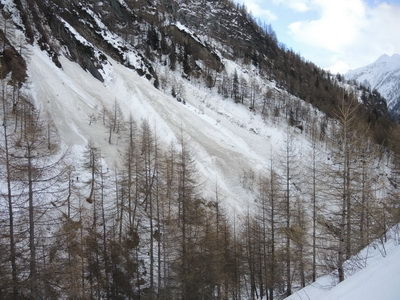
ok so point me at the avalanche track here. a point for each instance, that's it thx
(222, 144)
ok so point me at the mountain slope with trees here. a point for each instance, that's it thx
(140, 34)
(173, 150)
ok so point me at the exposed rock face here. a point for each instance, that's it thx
(194, 37)
(12, 61)
(86, 32)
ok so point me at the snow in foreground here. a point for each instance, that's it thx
(379, 279)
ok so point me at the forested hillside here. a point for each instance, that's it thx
(174, 150)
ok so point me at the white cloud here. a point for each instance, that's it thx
(339, 67)
(383, 30)
(300, 6)
(297, 5)
(338, 24)
(255, 8)
(349, 31)
(334, 32)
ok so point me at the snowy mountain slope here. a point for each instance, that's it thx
(238, 117)
(224, 145)
(193, 36)
(373, 274)
(384, 76)
(222, 133)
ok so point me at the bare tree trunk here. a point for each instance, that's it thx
(287, 216)
(314, 217)
(32, 245)
(9, 200)
(103, 220)
(272, 217)
(350, 136)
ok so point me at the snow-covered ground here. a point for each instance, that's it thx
(227, 138)
(373, 274)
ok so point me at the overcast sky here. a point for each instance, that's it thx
(334, 34)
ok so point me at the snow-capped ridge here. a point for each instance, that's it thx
(384, 76)
(390, 61)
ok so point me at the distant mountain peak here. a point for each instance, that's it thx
(383, 58)
(391, 61)
(384, 76)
